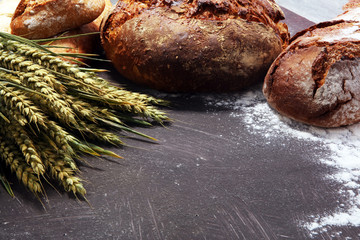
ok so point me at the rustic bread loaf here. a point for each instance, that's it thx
(317, 79)
(45, 18)
(194, 45)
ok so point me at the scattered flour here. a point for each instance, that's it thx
(344, 144)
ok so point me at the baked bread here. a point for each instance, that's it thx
(35, 19)
(194, 45)
(317, 79)
(84, 44)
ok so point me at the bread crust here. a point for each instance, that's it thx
(84, 44)
(198, 46)
(35, 19)
(317, 79)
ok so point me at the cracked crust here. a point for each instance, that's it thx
(194, 45)
(317, 79)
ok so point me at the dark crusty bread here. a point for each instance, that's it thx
(317, 79)
(46, 18)
(197, 45)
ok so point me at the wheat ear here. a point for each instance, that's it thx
(11, 156)
(61, 171)
(17, 102)
(26, 145)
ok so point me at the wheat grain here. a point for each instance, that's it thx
(61, 137)
(14, 113)
(50, 99)
(61, 171)
(29, 178)
(68, 143)
(26, 145)
(87, 111)
(32, 75)
(134, 96)
(17, 164)
(82, 110)
(54, 63)
(17, 102)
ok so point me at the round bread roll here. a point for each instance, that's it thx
(317, 79)
(35, 19)
(198, 45)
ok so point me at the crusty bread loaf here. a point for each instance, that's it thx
(45, 18)
(317, 79)
(200, 45)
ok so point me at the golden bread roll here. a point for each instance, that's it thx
(35, 19)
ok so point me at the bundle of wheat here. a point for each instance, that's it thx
(46, 101)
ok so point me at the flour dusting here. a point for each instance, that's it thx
(344, 144)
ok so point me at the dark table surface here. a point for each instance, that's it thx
(226, 168)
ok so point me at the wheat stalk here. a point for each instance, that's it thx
(94, 132)
(126, 100)
(45, 101)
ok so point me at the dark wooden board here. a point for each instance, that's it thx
(208, 177)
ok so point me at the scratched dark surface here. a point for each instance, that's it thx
(207, 178)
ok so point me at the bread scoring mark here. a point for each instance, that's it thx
(330, 55)
(333, 93)
(340, 95)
